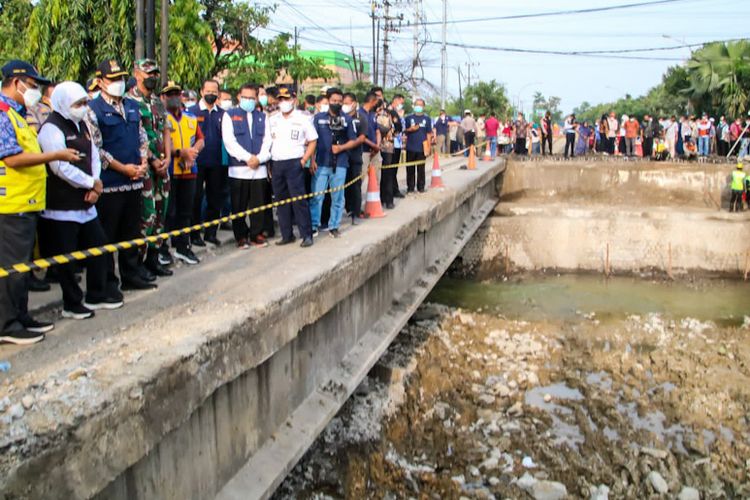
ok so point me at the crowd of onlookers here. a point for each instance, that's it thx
(660, 138)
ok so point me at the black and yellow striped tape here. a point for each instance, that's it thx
(80, 255)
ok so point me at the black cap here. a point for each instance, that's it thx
(110, 69)
(172, 86)
(16, 68)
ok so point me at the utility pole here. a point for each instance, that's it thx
(444, 57)
(296, 83)
(460, 92)
(164, 40)
(470, 65)
(415, 60)
(151, 29)
(387, 5)
(374, 46)
(140, 13)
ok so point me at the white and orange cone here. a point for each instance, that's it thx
(487, 154)
(437, 174)
(373, 207)
(472, 158)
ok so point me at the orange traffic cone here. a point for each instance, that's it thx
(373, 207)
(472, 159)
(437, 175)
(487, 154)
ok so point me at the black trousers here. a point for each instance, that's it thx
(248, 194)
(353, 194)
(611, 145)
(570, 142)
(415, 170)
(735, 201)
(648, 146)
(65, 237)
(120, 215)
(387, 179)
(289, 180)
(621, 146)
(469, 138)
(396, 158)
(215, 180)
(521, 146)
(180, 210)
(17, 235)
(722, 148)
(546, 140)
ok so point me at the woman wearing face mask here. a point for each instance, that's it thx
(70, 222)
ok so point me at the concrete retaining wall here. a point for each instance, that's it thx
(239, 363)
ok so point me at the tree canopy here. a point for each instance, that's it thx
(66, 39)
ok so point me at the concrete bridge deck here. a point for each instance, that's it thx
(226, 373)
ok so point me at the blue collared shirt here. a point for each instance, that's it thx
(8, 143)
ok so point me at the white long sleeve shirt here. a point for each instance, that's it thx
(236, 150)
(51, 138)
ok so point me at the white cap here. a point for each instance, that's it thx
(467, 111)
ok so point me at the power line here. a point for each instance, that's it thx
(563, 53)
(540, 14)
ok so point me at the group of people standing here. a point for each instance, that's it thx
(127, 157)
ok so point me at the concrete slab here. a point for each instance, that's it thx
(112, 390)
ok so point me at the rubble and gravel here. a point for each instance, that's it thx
(483, 406)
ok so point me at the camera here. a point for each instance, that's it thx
(337, 124)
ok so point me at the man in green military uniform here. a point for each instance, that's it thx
(156, 181)
(737, 187)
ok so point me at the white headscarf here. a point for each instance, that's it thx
(65, 95)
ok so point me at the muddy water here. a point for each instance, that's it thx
(550, 387)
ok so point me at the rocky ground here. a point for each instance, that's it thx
(475, 405)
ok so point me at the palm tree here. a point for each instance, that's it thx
(719, 75)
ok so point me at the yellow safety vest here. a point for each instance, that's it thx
(737, 177)
(23, 189)
(183, 137)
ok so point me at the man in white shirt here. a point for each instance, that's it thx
(243, 130)
(293, 139)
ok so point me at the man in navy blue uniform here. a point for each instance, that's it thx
(418, 130)
(210, 170)
(336, 136)
(116, 130)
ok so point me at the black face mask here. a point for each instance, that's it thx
(210, 98)
(335, 108)
(151, 82)
(174, 103)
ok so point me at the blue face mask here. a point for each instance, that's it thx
(264, 100)
(247, 105)
(418, 109)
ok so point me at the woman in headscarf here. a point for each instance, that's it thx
(603, 131)
(584, 134)
(70, 221)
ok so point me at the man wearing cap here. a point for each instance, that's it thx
(186, 143)
(156, 181)
(418, 130)
(117, 131)
(23, 179)
(737, 187)
(293, 140)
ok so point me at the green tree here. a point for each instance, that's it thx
(191, 57)
(14, 15)
(485, 97)
(67, 38)
(719, 75)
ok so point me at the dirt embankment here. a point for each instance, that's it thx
(478, 406)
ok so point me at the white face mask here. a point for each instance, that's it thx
(286, 106)
(324, 108)
(190, 104)
(31, 97)
(77, 113)
(116, 89)
(226, 104)
(347, 108)
(95, 95)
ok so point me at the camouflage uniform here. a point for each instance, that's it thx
(155, 187)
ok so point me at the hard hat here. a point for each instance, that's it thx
(739, 166)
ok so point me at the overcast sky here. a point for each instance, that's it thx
(325, 24)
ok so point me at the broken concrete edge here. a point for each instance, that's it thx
(265, 471)
(121, 422)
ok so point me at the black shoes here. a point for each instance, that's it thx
(110, 303)
(37, 285)
(165, 257)
(34, 326)
(21, 337)
(187, 256)
(153, 266)
(288, 241)
(78, 311)
(390, 206)
(306, 242)
(213, 240)
(398, 194)
(334, 233)
(196, 240)
(137, 283)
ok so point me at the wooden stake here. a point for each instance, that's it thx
(606, 262)
(747, 263)
(507, 260)
(669, 263)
